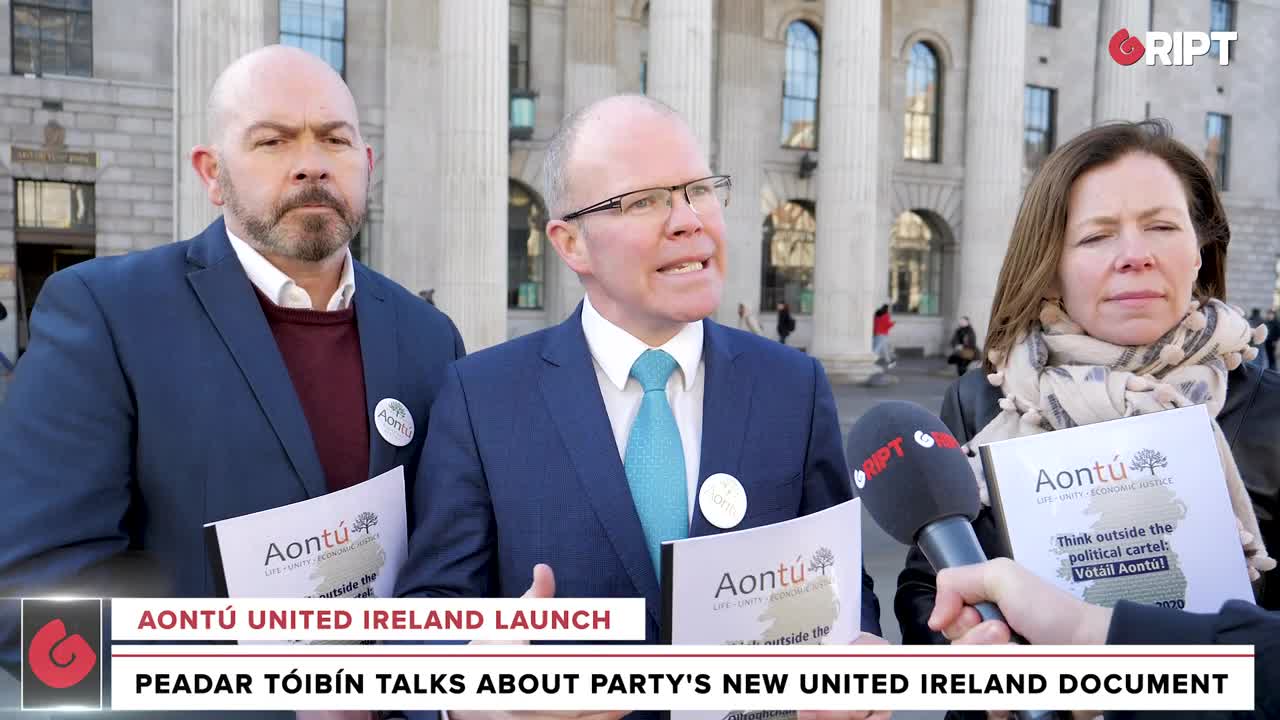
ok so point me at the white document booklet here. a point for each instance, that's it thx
(346, 544)
(1134, 509)
(797, 582)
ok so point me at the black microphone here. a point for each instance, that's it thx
(915, 481)
(917, 484)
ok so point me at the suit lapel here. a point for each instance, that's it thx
(376, 322)
(726, 404)
(571, 391)
(228, 298)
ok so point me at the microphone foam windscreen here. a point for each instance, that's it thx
(909, 469)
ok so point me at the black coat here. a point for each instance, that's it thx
(1237, 623)
(1250, 420)
(786, 324)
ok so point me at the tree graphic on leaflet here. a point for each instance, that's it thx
(822, 559)
(1150, 460)
(364, 522)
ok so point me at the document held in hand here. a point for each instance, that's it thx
(1132, 509)
(797, 582)
(346, 544)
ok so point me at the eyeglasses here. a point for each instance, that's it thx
(704, 195)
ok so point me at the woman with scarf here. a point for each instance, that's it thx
(1110, 304)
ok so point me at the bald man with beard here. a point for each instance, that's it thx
(231, 373)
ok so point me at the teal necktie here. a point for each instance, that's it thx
(655, 458)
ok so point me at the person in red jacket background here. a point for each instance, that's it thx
(880, 336)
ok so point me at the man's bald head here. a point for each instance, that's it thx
(284, 157)
(264, 73)
(586, 127)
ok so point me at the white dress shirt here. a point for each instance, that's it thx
(280, 288)
(614, 351)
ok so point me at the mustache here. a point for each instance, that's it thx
(312, 195)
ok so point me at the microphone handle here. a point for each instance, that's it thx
(950, 542)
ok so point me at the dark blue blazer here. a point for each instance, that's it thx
(153, 399)
(521, 466)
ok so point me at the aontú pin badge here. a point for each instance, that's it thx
(723, 500)
(393, 421)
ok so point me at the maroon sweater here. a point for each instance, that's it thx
(322, 353)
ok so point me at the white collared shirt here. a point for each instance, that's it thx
(614, 351)
(280, 288)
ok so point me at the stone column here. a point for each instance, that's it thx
(680, 60)
(848, 179)
(473, 168)
(590, 74)
(741, 132)
(411, 184)
(1119, 92)
(992, 151)
(209, 35)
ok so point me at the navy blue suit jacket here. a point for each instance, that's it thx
(521, 466)
(154, 399)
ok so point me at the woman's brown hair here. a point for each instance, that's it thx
(1035, 249)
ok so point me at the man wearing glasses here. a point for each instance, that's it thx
(581, 448)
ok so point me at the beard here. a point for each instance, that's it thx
(316, 237)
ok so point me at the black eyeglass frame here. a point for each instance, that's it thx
(615, 202)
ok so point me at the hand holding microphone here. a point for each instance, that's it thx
(1039, 611)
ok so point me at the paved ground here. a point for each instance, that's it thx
(922, 381)
(919, 380)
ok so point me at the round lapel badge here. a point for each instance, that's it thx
(723, 500)
(393, 421)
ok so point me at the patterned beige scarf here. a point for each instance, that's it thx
(1058, 377)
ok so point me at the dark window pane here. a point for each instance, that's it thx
(922, 106)
(53, 58)
(1039, 124)
(26, 22)
(24, 56)
(526, 218)
(85, 5)
(800, 87)
(1218, 147)
(81, 28)
(55, 205)
(787, 258)
(53, 27)
(81, 60)
(1043, 12)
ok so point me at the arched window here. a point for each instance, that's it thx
(800, 87)
(789, 233)
(526, 218)
(915, 266)
(920, 137)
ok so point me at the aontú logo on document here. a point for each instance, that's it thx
(1116, 471)
(1176, 48)
(61, 643)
